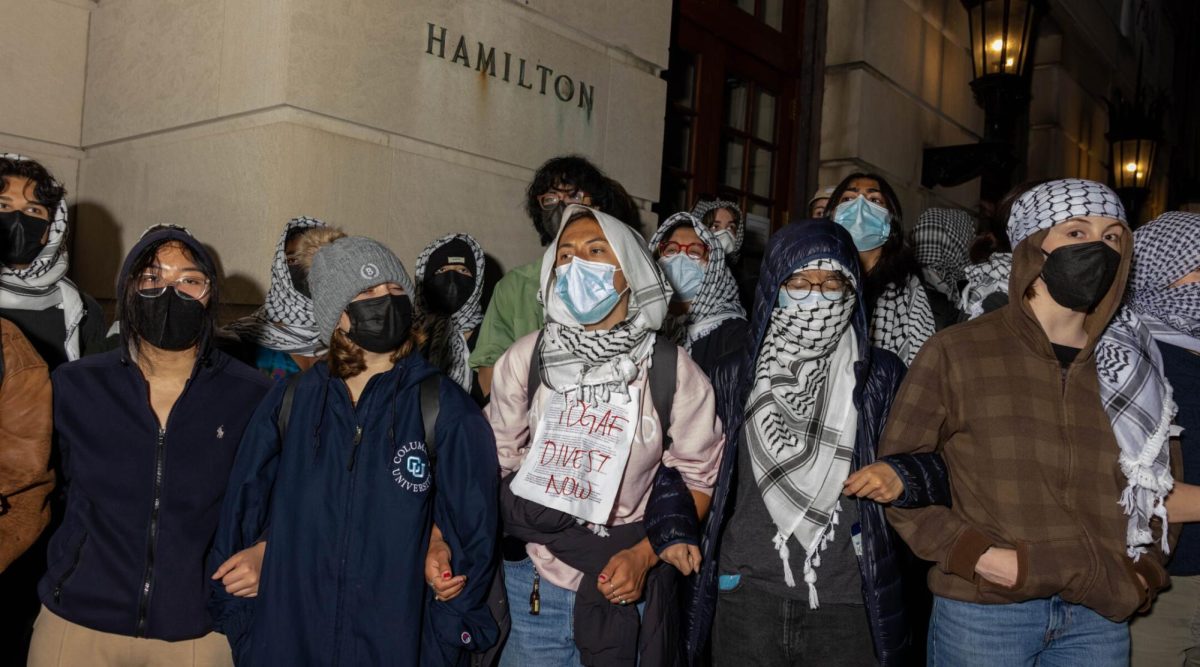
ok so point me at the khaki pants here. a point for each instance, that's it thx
(58, 642)
(1170, 634)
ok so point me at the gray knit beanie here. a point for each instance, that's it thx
(344, 268)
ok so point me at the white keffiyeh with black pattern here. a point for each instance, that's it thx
(802, 423)
(450, 333)
(1166, 250)
(717, 300)
(285, 321)
(902, 320)
(985, 279)
(44, 284)
(942, 241)
(1133, 385)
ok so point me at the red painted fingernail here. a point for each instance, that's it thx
(446, 574)
(603, 578)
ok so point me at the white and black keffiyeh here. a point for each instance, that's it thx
(703, 207)
(1165, 250)
(596, 363)
(452, 331)
(942, 239)
(717, 300)
(285, 321)
(1133, 385)
(983, 280)
(902, 320)
(44, 284)
(802, 422)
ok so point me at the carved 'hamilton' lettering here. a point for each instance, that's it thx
(565, 88)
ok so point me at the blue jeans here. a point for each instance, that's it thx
(1045, 633)
(545, 640)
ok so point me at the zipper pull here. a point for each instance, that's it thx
(354, 448)
(535, 596)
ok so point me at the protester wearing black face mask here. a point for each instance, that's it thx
(1051, 415)
(449, 295)
(147, 435)
(60, 321)
(280, 338)
(356, 458)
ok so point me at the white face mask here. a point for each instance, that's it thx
(726, 239)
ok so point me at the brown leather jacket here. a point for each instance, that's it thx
(25, 426)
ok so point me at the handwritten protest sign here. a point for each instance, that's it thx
(577, 457)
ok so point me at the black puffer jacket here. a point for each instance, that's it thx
(878, 376)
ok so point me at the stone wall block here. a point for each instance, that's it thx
(42, 62)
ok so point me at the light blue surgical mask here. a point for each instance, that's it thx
(685, 275)
(869, 223)
(587, 289)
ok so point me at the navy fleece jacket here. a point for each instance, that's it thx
(349, 498)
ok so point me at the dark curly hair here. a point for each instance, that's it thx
(48, 191)
(575, 171)
(898, 260)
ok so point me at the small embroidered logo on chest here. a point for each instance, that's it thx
(410, 467)
(220, 432)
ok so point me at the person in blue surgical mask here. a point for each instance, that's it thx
(705, 317)
(577, 417)
(897, 307)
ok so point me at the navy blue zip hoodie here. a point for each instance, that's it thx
(142, 503)
(349, 499)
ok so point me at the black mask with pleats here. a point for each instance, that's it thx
(20, 237)
(380, 324)
(1078, 276)
(169, 321)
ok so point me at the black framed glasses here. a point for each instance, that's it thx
(553, 199)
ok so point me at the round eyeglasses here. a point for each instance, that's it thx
(696, 251)
(830, 289)
(191, 288)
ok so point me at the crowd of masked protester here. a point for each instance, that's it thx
(958, 442)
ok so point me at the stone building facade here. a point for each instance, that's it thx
(405, 119)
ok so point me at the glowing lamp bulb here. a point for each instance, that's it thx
(998, 45)
(1131, 167)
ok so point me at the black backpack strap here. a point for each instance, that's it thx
(430, 406)
(285, 406)
(662, 382)
(535, 372)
